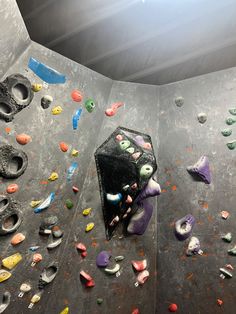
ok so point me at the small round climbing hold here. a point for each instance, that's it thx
(87, 211)
(119, 137)
(64, 147)
(84, 254)
(69, 203)
(89, 227)
(46, 101)
(90, 105)
(53, 176)
(56, 110)
(76, 95)
(12, 188)
(99, 301)
(124, 144)
(173, 307)
(146, 171)
(37, 87)
(179, 101)
(75, 189)
(74, 152)
(23, 139)
(202, 117)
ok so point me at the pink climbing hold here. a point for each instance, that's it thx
(119, 137)
(113, 109)
(81, 247)
(139, 265)
(142, 277)
(129, 200)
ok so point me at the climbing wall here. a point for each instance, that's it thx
(194, 282)
(45, 157)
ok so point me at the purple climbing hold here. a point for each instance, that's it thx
(202, 169)
(139, 221)
(184, 227)
(102, 259)
(151, 189)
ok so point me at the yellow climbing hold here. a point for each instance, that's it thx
(35, 298)
(37, 87)
(65, 311)
(87, 211)
(35, 203)
(11, 261)
(4, 275)
(56, 110)
(53, 176)
(89, 227)
(75, 152)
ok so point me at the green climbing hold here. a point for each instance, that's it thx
(232, 111)
(124, 144)
(130, 150)
(99, 301)
(89, 105)
(69, 204)
(226, 132)
(231, 145)
(146, 171)
(227, 237)
(230, 121)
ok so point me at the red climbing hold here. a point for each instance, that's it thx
(219, 302)
(173, 307)
(84, 253)
(90, 284)
(75, 189)
(135, 311)
(64, 147)
(76, 95)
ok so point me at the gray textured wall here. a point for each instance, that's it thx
(193, 282)
(14, 37)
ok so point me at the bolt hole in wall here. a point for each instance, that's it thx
(4, 107)
(15, 164)
(20, 91)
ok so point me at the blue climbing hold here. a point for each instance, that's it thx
(47, 74)
(75, 118)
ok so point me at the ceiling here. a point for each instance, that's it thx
(145, 41)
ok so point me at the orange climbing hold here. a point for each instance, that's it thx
(12, 188)
(64, 147)
(23, 139)
(18, 238)
(76, 95)
(8, 130)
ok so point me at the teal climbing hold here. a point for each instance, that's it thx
(231, 145)
(230, 121)
(226, 132)
(232, 111)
